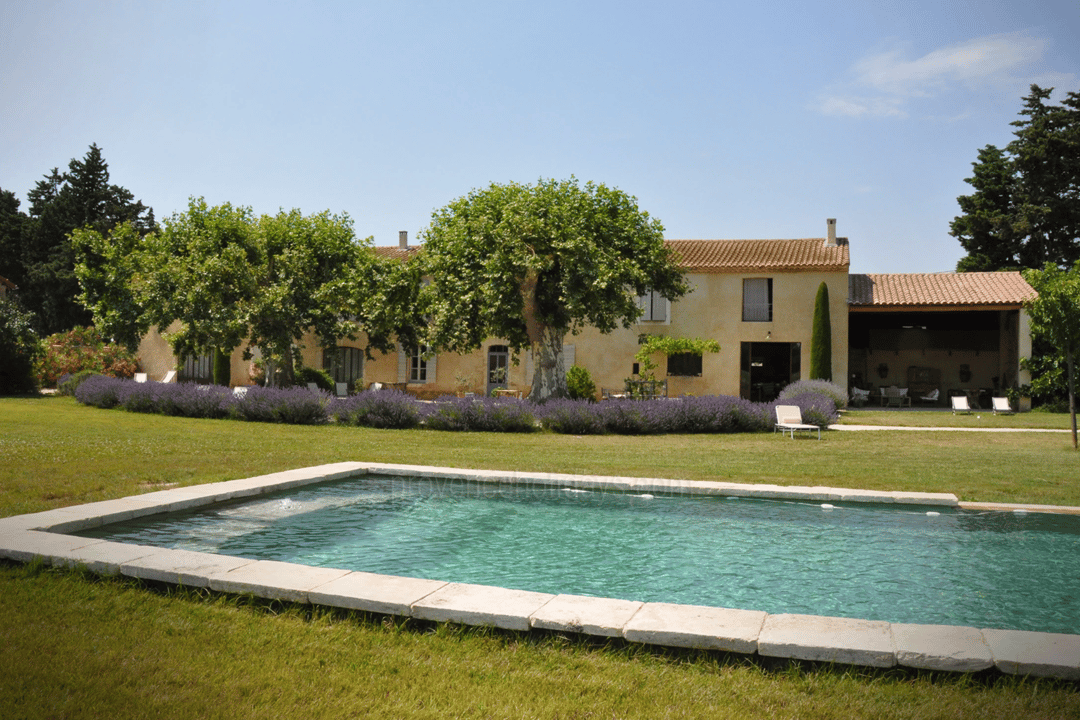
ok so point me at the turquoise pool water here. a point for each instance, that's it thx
(879, 562)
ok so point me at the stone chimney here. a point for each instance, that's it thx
(403, 239)
(830, 237)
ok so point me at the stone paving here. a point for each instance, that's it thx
(841, 640)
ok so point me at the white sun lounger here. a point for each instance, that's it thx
(1001, 406)
(789, 419)
(960, 405)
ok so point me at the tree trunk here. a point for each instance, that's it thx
(549, 371)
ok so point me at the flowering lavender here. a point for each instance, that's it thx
(816, 409)
(707, 414)
(481, 413)
(100, 391)
(382, 409)
(294, 405)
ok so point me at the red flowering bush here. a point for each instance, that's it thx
(80, 349)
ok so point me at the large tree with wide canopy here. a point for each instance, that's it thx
(531, 264)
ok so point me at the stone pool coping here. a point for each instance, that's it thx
(805, 637)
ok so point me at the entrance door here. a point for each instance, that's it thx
(767, 368)
(498, 367)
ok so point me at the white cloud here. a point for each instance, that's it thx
(883, 84)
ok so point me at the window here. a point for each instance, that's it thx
(654, 305)
(685, 364)
(418, 364)
(757, 300)
(345, 364)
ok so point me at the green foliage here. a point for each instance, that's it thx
(321, 378)
(19, 348)
(1023, 212)
(532, 263)
(1055, 316)
(83, 349)
(106, 267)
(579, 384)
(229, 277)
(650, 345)
(59, 204)
(69, 384)
(222, 368)
(821, 337)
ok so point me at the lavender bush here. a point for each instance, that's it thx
(708, 414)
(571, 417)
(99, 390)
(383, 409)
(824, 388)
(293, 405)
(481, 414)
(816, 409)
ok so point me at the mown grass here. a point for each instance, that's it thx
(944, 418)
(75, 646)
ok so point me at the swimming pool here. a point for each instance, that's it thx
(897, 563)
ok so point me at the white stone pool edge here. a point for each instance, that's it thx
(805, 637)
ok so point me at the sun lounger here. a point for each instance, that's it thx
(1001, 406)
(960, 405)
(789, 419)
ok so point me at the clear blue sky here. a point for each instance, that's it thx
(725, 120)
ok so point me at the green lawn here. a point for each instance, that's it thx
(83, 647)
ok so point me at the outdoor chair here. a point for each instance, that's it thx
(342, 389)
(169, 376)
(896, 396)
(960, 405)
(140, 377)
(931, 397)
(1001, 406)
(859, 397)
(789, 419)
(313, 387)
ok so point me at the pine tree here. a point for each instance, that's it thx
(60, 203)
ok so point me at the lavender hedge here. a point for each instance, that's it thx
(378, 409)
(395, 409)
(483, 414)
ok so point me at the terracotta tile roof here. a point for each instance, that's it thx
(735, 256)
(395, 252)
(939, 289)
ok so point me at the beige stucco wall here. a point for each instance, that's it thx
(713, 311)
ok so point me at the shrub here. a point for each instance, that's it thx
(382, 409)
(579, 384)
(481, 414)
(19, 348)
(295, 405)
(817, 409)
(83, 349)
(321, 378)
(824, 388)
(68, 384)
(192, 400)
(99, 390)
(572, 417)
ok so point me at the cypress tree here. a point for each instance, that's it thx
(821, 337)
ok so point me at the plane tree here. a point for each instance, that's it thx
(531, 264)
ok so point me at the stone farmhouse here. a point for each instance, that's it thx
(954, 333)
